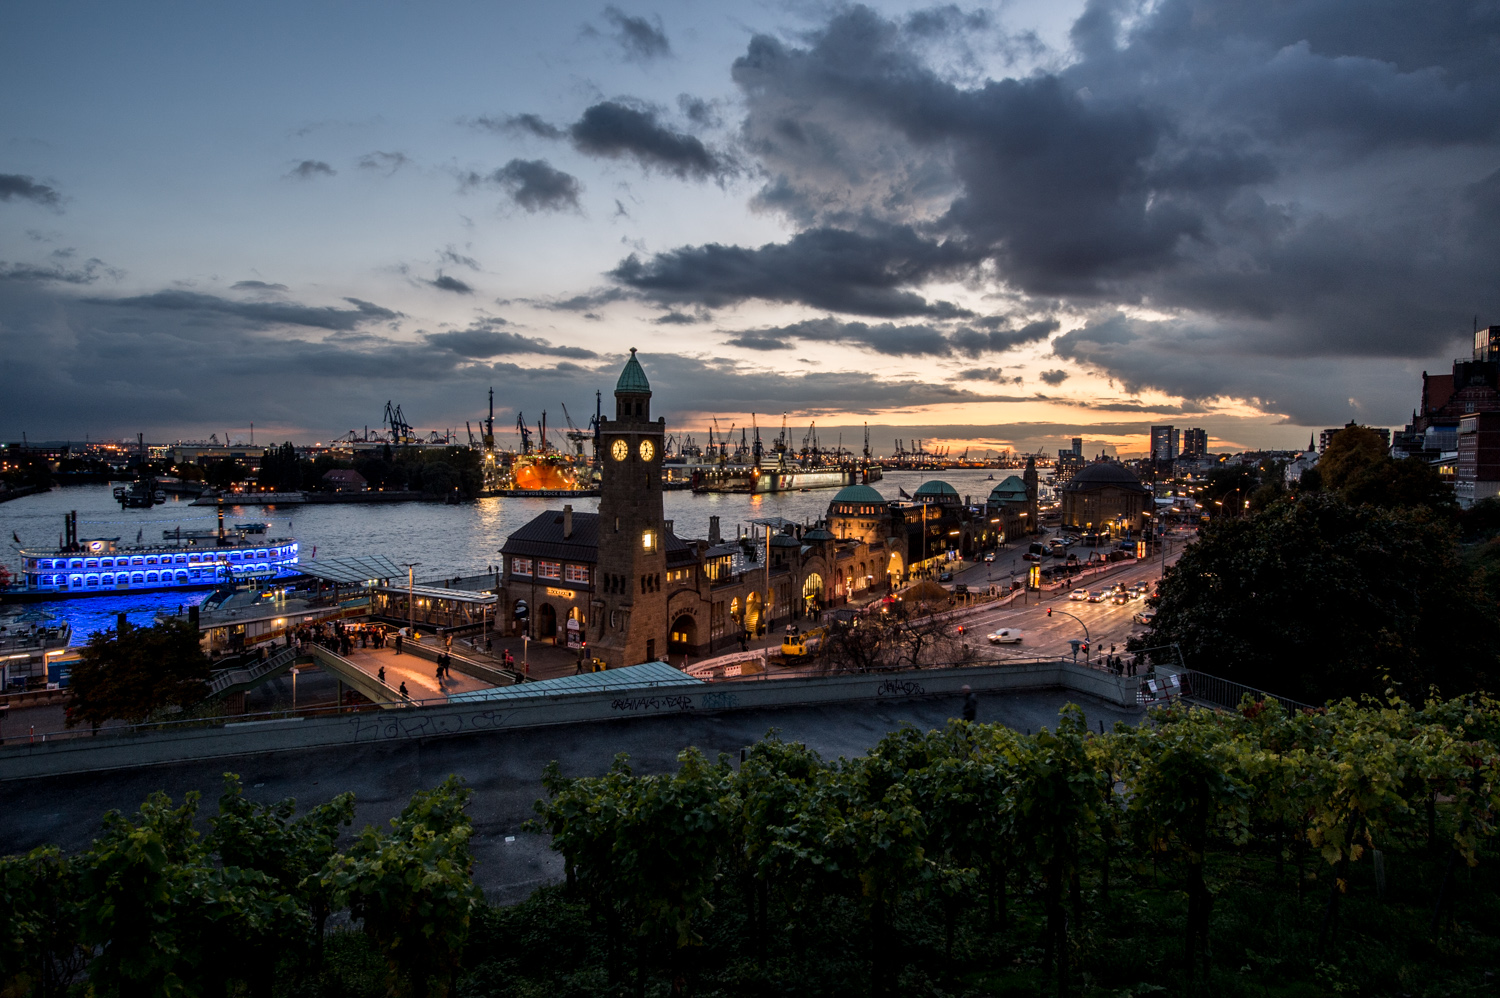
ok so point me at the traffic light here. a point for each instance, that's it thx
(1085, 649)
(1049, 611)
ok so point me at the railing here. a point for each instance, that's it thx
(230, 678)
(1216, 692)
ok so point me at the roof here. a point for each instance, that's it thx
(1010, 490)
(343, 475)
(542, 537)
(784, 541)
(361, 569)
(937, 488)
(633, 379)
(633, 677)
(1103, 474)
(858, 493)
(818, 534)
(438, 592)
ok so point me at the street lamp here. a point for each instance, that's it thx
(410, 601)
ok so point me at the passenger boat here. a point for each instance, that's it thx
(102, 566)
(141, 494)
(758, 480)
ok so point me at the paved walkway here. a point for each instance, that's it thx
(419, 674)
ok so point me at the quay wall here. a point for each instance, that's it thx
(137, 748)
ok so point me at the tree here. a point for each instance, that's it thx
(132, 674)
(1350, 451)
(413, 888)
(40, 908)
(1317, 599)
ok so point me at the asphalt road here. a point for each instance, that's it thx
(503, 768)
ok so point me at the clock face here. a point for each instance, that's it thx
(647, 449)
(620, 449)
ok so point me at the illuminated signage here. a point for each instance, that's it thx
(564, 593)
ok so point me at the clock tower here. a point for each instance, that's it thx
(629, 623)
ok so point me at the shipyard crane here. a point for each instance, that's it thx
(402, 432)
(574, 434)
(867, 443)
(541, 443)
(524, 431)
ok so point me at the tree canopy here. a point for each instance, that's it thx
(1317, 597)
(131, 674)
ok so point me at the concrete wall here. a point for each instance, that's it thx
(108, 751)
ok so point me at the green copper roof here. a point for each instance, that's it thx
(633, 379)
(1012, 487)
(858, 493)
(937, 488)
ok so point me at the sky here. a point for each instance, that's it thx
(993, 226)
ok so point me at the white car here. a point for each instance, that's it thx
(1006, 636)
(1079, 594)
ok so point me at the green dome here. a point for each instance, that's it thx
(818, 534)
(858, 493)
(633, 379)
(936, 488)
(1011, 488)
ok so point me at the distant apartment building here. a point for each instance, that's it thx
(1069, 463)
(1194, 443)
(1165, 442)
(1478, 472)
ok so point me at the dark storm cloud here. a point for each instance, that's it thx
(536, 186)
(1054, 378)
(530, 123)
(641, 39)
(14, 185)
(263, 313)
(675, 318)
(310, 168)
(827, 268)
(1313, 175)
(445, 283)
(973, 342)
(481, 344)
(613, 129)
(256, 286)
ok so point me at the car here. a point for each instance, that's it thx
(1006, 636)
(1032, 556)
(1144, 617)
(945, 577)
(1079, 594)
(989, 556)
(1097, 596)
(1120, 598)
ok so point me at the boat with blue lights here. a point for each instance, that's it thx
(102, 566)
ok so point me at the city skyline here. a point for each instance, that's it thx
(997, 227)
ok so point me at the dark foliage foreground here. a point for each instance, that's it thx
(1337, 852)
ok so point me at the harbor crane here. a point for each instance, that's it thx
(402, 432)
(524, 431)
(574, 434)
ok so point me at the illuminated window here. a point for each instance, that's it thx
(578, 574)
(549, 570)
(520, 566)
(648, 540)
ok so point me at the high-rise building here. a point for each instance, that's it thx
(1194, 443)
(1078, 446)
(1164, 443)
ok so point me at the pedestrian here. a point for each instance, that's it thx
(971, 704)
(440, 672)
(381, 675)
(404, 695)
(398, 642)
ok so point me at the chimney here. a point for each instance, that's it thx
(713, 531)
(666, 526)
(567, 522)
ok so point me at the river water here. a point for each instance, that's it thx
(447, 540)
